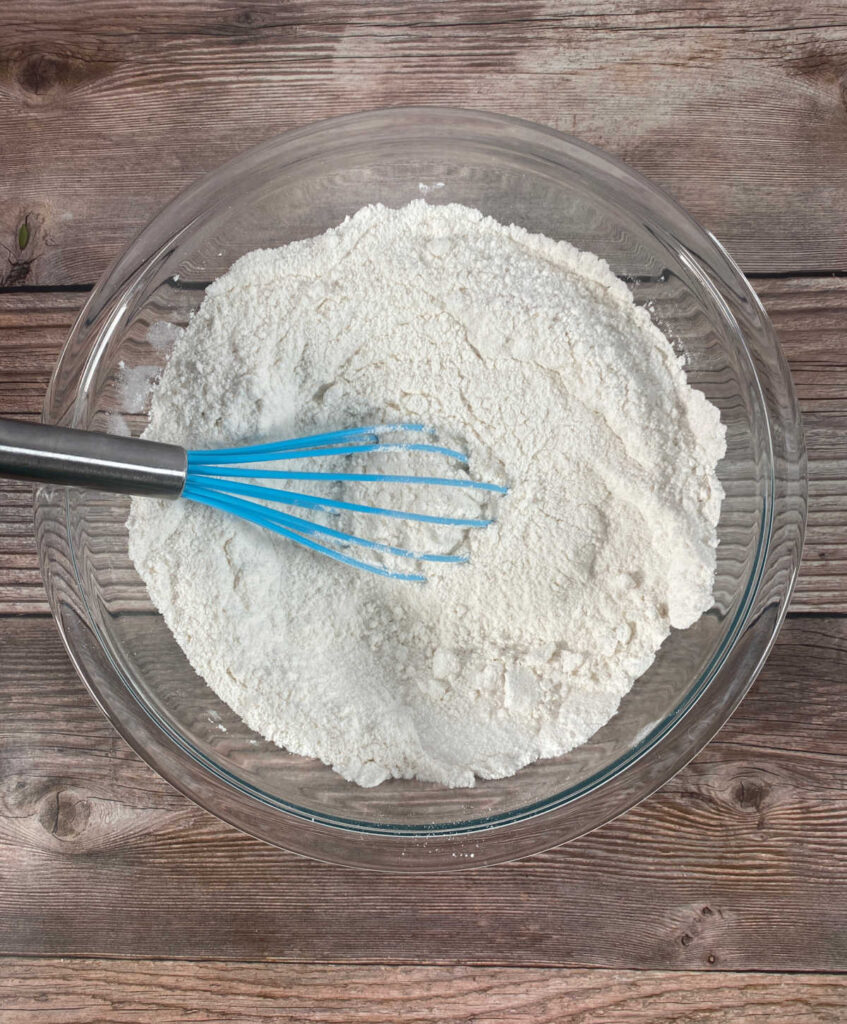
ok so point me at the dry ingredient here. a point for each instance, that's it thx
(534, 357)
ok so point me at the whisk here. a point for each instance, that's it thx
(220, 478)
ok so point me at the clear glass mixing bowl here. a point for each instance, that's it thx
(296, 186)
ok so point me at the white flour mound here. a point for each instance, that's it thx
(533, 356)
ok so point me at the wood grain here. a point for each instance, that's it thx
(809, 315)
(149, 992)
(33, 328)
(108, 111)
(739, 863)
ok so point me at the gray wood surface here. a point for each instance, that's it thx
(736, 867)
(111, 106)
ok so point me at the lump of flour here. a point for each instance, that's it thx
(533, 356)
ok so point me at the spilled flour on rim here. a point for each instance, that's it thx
(533, 356)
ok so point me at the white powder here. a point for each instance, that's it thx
(535, 357)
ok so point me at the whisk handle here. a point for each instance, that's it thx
(85, 458)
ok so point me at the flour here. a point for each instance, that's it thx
(533, 355)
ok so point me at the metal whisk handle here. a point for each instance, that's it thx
(83, 458)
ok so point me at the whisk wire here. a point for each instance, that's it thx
(265, 518)
(215, 472)
(216, 477)
(285, 497)
(271, 454)
(314, 440)
(306, 526)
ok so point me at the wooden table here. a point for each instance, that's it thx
(723, 898)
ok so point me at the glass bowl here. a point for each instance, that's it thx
(296, 186)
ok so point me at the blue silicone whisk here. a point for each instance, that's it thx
(222, 479)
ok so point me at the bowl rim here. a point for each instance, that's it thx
(537, 826)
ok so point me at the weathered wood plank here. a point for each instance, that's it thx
(32, 330)
(738, 110)
(809, 315)
(148, 992)
(740, 863)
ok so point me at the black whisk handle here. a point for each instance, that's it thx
(85, 458)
